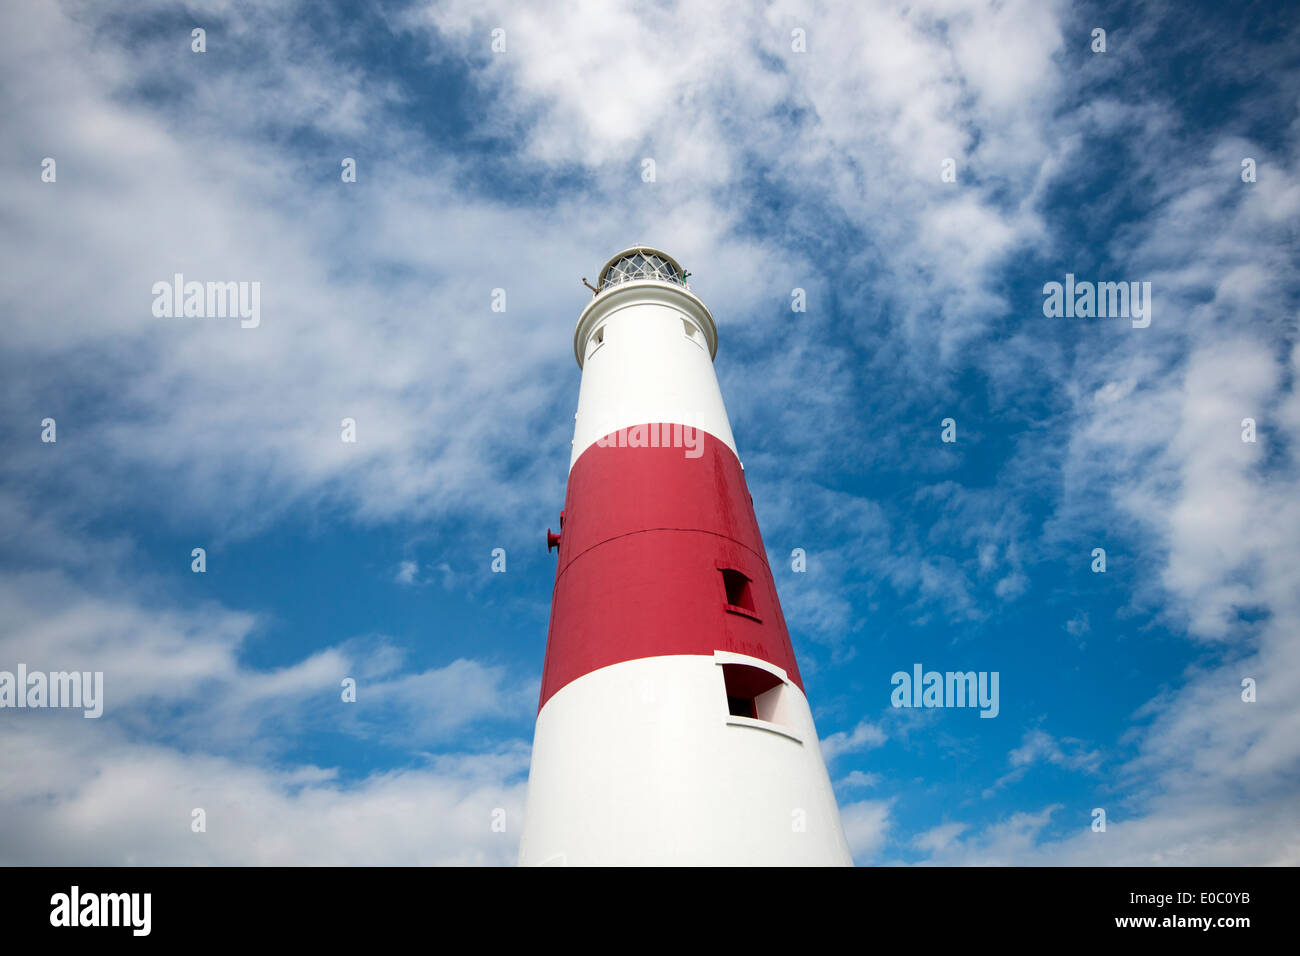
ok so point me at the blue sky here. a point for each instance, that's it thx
(775, 170)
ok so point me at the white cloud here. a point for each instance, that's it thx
(187, 725)
(1038, 746)
(865, 736)
(1156, 457)
(866, 827)
(1068, 753)
(858, 779)
(89, 797)
(938, 838)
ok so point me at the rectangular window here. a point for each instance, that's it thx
(745, 685)
(692, 332)
(740, 595)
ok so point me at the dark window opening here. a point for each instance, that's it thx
(739, 593)
(744, 685)
(741, 707)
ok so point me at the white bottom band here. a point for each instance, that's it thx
(640, 763)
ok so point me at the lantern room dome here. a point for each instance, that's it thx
(638, 263)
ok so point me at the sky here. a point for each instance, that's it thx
(795, 146)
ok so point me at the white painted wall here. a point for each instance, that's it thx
(647, 369)
(639, 763)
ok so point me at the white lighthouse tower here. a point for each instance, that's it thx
(673, 726)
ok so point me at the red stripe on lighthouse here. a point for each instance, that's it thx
(647, 537)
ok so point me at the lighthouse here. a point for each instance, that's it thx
(673, 727)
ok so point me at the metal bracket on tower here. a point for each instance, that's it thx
(552, 539)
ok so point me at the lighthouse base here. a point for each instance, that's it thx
(680, 760)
